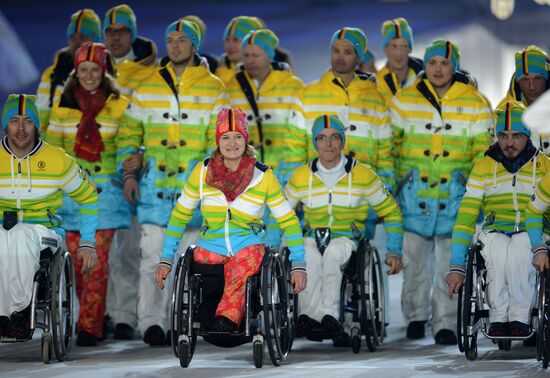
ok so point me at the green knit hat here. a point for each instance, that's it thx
(85, 22)
(357, 38)
(397, 28)
(21, 104)
(263, 38)
(531, 60)
(240, 26)
(444, 48)
(121, 14)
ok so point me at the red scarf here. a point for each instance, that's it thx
(88, 143)
(232, 184)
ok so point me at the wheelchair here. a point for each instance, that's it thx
(362, 297)
(473, 310)
(53, 305)
(197, 291)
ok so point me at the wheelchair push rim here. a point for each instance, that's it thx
(63, 304)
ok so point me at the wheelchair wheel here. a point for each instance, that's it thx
(258, 353)
(63, 304)
(46, 348)
(184, 338)
(372, 315)
(469, 305)
(275, 308)
(543, 331)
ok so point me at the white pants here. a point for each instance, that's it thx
(122, 290)
(324, 277)
(426, 263)
(19, 261)
(510, 276)
(153, 303)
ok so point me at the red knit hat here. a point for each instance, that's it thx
(91, 52)
(231, 120)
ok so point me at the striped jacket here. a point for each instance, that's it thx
(230, 227)
(129, 73)
(114, 210)
(348, 203)
(33, 187)
(535, 211)
(388, 83)
(176, 126)
(226, 69)
(362, 110)
(501, 195)
(284, 145)
(436, 143)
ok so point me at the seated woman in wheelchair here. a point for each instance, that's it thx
(35, 175)
(336, 192)
(501, 184)
(233, 188)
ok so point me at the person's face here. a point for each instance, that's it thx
(439, 71)
(179, 47)
(232, 47)
(89, 75)
(118, 38)
(532, 86)
(343, 58)
(21, 132)
(76, 40)
(255, 60)
(329, 145)
(511, 143)
(397, 51)
(232, 145)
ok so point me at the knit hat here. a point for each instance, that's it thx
(121, 14)
(231, 119)
(200, 24)
(240, 26)
(21, 104)
(397, 28)
(531, 60)
(263, 38)
(327, 122)
(91, 52)
(509, 118)
(357, 38)
(191, 29)
(85, 22)
(444, 48)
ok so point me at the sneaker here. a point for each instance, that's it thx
(498, 329)
(222, 324)
(416, 329)
(20, 325)
(344, 340)
(4, 324)
(123, 332)
(305, 324)
(86, 339)
(154, 336)
(519, 329)
(330, 323)
(445, 337)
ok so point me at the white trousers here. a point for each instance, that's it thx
(426, 263)
(153, 303)
(510, 276)
(19, 261)
(324, 277)
(122, 290)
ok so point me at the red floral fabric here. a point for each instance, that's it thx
(237, 269)
(91, 287)
(230, 183)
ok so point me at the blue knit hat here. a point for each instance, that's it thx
(444, 48)
(509, 118)
(327, 122)
(191, 29)
(121, 14)
(531, 60)
(85, 22)
(20, 104)
(357, 38)
(263, 38)
(240, 26)
(397, 28)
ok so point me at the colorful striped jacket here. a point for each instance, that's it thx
(230, 227)
(388, 83)
(226, 69)
(535, 211)
(129, 73)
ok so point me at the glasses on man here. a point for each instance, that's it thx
(111, 32)
(326, 138)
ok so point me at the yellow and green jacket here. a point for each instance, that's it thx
(33, 186)
(174, 130)
(535, 211)
(230, 227)
(500, 194)
(129, 73)
(348, 203)
(437, 141)
(283, 143)
(388, 83)
(226, 69)
(114, 210)
(362, 110)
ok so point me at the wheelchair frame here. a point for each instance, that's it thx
(272, 324)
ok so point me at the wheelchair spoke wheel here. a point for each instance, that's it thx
(543, 331)
(63, 304)
(469, 337)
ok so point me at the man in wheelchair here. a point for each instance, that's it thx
(501, 184)
(336, 192)
(34, 176)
